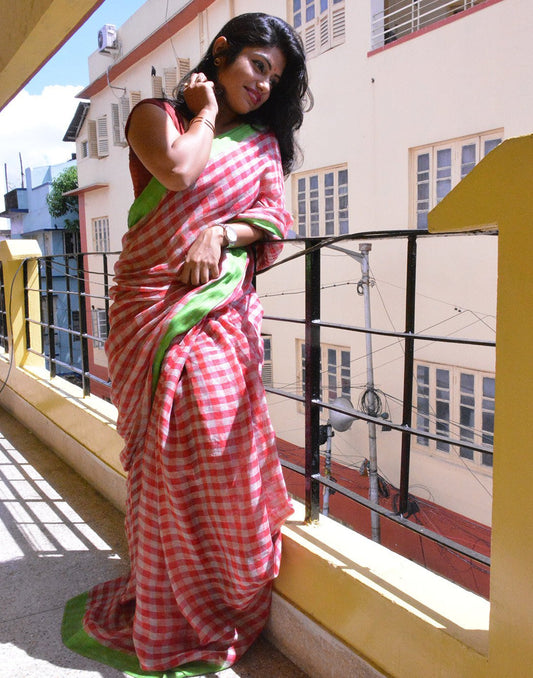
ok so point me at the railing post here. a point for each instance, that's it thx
(13, 253)
(82, 303)
(312, 383)
(50, 320)
(408, 373)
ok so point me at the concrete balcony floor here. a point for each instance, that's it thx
(58, 537)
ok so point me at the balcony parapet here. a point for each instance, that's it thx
(381, 613)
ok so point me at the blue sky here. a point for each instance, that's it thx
(69, 65)
(33, 124)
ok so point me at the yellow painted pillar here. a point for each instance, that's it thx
(499, 191)
(12, 255)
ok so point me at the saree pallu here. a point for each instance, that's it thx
(206, 495)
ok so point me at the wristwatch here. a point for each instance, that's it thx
(230, 235)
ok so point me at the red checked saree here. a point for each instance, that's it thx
(206, 496)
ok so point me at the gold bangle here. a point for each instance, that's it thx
(208, 123)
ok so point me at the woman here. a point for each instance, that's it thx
(206, 496)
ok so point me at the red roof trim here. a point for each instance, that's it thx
(86, 189)
(164, 32)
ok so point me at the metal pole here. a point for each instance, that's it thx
(325, 502)
(408, 373)
(373, 492)
(312, 385)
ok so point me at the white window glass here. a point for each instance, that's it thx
(101, 234)
(335, 371)
(442, 401)
(444, 172)
(438, 168)
(456, 404)
(423, 188)
(422, 403)
(487, 421)
(322, 202)
(468, 159)
(467, 413)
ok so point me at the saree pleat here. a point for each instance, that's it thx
(206, 495)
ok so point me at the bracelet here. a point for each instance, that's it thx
(201, 118)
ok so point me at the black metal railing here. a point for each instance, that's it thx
(74, 322)
(313, 403)
(78, 285)
(4, 341)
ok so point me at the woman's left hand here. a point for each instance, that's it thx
(203, 258)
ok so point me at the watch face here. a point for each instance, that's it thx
(231, 236)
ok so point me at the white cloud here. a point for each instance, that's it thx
(34, 126)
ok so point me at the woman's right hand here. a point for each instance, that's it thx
(199, 94)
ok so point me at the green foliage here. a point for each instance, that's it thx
(58, 204)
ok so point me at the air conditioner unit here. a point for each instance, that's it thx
(107, 38)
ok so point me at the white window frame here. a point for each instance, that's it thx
(437, 168)
(321, 201)
(335, 375)
(100, 230)
(446, 403)
(320, 23)
(99, 321)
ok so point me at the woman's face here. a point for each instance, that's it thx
(248, 81)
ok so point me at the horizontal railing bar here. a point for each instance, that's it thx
(363, 416)
(405, 335)
(285, 394)
(396, 518)
(391, 515)
(298, 321)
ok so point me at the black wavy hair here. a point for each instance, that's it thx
(283, 112)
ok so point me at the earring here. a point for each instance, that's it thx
(217, 61)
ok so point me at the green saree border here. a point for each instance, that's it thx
(78, 640)
(201, 303)
(154, 191)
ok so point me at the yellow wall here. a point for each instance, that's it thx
(498, 192)
(32, 33)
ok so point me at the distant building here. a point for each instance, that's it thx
(28, 214)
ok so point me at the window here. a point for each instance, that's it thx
(394, 19)
(457, 403)
(101, 234)
(71, 242)
(335, 371)
(320, 23)
(164, 85)
(102, 137)
(84, 149)
(119, 116)
(99, 318)
(75, 324)
(321, 200)
(438, 168)
(92, 139)
(268, 379)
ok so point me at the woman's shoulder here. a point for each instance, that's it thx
(164, 105)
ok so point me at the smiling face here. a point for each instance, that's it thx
(248, 81)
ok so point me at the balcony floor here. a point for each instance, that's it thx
(58, 537)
